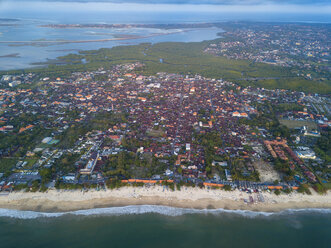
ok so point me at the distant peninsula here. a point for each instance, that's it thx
(160, 26)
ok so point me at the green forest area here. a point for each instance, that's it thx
(183, 58)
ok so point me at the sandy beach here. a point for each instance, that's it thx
(56, 201)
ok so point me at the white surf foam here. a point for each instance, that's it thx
(26, 214)
(162, 210)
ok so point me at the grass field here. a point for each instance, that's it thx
(155, 133)
(297, 124)
(31, 162)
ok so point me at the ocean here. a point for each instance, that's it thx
(157, 226)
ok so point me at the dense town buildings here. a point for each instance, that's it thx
(305, 49)
(99, 125)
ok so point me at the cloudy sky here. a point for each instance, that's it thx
(217, 2)
(286, 6)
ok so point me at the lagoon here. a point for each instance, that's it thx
(22, 33)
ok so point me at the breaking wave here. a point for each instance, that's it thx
(162, 210)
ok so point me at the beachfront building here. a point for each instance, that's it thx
(90, 164)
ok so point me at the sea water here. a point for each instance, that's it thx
(160, 226)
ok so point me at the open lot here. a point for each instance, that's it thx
(155, 133)
(267, 172)
(297, 124)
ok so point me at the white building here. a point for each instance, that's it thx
(306, 154)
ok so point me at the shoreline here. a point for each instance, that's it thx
(55, 201)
